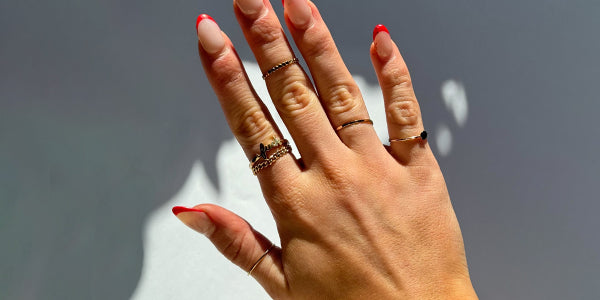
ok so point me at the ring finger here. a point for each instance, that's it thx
(401, 105)
(340, 96)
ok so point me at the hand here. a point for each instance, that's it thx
(356, 219)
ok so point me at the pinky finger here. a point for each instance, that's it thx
(238, 242)
(402, 109)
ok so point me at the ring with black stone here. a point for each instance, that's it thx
(421, 136)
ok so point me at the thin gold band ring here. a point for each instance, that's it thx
(368, 121)
(260, 259)
(422, 136)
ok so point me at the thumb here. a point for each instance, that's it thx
(238, 242)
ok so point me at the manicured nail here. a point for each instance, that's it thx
(379, 28)
(181, 209)
(299, 13)
(209, 34)
(193, 218)
(250, 7)
(383, 42)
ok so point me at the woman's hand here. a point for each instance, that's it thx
(356, 219)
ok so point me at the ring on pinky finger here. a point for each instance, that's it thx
(422, 136)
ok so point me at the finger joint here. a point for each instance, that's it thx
(404, 111)
(397, 77)
(296, 99)
(250, 125)
(342, 98)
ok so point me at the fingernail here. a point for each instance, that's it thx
(250, 7)
(299, 12)
(379, 28)
(383, 42)
(209, 34)
(193, 218)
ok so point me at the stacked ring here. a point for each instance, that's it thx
(265, 159)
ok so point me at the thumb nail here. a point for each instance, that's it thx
(194, 218)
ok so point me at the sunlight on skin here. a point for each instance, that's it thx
(182, 264)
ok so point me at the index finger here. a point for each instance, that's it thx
(248, 118)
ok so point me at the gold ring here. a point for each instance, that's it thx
(260, 259)
(265, 158)
(422, 136)
(368, 121)
(279, 66)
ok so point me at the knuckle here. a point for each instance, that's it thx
(234, 248)
(397, 77)
(250, 125)
(342, 98)
(319, 46)
(264, 33)
(296, 99)
(404, 111)
(289, 196)
(294, 205)
(425, 174)
(227, 72)
(289, 201)
(340, 173)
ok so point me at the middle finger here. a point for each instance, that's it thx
(290, 88)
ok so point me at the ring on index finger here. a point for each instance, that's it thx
(269, 154)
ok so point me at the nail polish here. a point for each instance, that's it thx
(299, 13)
(202, 17)
(198, 220)
(209, 34)
(180, 209)
(250, 7)
(379, 28)
(383, 42)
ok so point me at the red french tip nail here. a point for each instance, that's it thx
(180, 209)
(282, 2)
(202, 17)
(379, 28)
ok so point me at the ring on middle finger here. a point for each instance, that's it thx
(279, 67)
